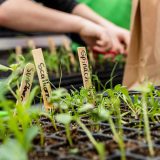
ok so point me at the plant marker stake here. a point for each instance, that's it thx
(52, 45)
(66, 44)
(18, 50)
(84, 67)
(43, 77)
(31, 44)
(27, 80)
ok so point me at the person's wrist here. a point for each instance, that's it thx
(106, 24)
(81, 24)
(78, 24)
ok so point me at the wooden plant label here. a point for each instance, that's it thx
(43, 77)
(84, 67)
(18, 50)
(66, 44)
(31, 44)
(27, 80)
(52, 45)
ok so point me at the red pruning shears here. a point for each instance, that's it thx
(110, 52)
(107, 54)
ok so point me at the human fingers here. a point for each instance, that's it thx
(99, 49)
(124, 38)
(103, 42)
(117, 46)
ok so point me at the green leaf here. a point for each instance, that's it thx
(117, 87)
(14, 66)
(3, 88)
(121, 89)
(86, 107)
(103, 113)
(145, 87)
(29, 136)
(4, 68)
(110, 92)
(57, 94)
(63, 118)
(32, 95)
(63, 105)
(115, 101)
(12, 150)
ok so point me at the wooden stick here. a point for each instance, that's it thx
(66, 44)
(84, 67)
(27, 80)
(18, 50)
(52, 45)
(43, 77)
(31, 44)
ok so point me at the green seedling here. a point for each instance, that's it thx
(65, 119)
(146, 88)
(99, 146)
(3, 114)
(19, 126)
(105, 115)
(16, 151)
(52, 62)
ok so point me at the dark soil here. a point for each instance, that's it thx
(76, 149)
(141, 137)
(145, 151)
(46, 141)
(56, 146)
(49, 128)
(42, 155)
(127, 132)
(97, 128)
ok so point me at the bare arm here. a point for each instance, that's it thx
(85, 12)
(120, 37)
(25, 15)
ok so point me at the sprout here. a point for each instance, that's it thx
(5, 68)
(63, 118)
(85, 108)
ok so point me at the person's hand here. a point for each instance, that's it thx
(96, 37)
(102, 38)
(120, 38)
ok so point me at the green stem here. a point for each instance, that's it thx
(146, 125)
(51, 119)
(13, 93)
(68, 133)
(100, 151)
(41, 133)
(131, 106)
(118, 139)
(113, 70)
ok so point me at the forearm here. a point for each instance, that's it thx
(29, 16)
(85, 12)
(61, 5)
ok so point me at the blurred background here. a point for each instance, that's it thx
(14, 45)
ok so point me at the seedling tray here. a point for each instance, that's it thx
(134, 138)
